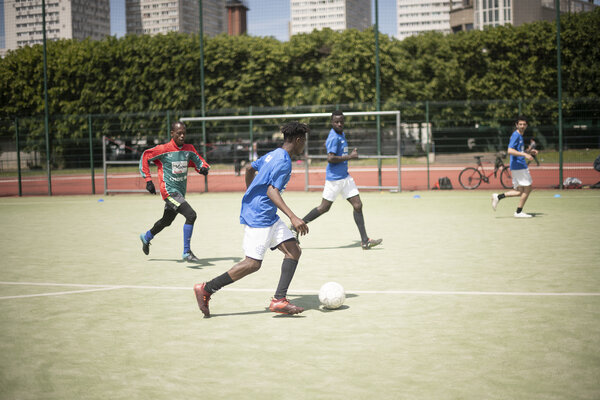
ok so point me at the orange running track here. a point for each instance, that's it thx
(413, 177)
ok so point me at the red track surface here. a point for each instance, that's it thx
(412, 178)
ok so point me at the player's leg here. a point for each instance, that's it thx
(168, 216)
(350, 191)
(520, 179)
(205, 290)
(330, 192)
(280, 303)
(256, 241)
(497, 197)
(313, 214)
(292, 252)
(525, 191)
(318, 211)
(522, 183)
(188, 228)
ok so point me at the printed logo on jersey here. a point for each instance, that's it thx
(179, 167)
(268, 158)
(345, 149)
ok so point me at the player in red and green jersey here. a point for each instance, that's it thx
(172, 160)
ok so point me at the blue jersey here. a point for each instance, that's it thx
(275, 169)
(517, 143)
(336, 144)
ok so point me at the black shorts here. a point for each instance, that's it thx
(174, 201)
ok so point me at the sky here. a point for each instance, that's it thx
(267, 17)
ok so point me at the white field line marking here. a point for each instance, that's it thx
(57, 293)
(298, 291)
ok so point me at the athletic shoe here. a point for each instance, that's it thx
(190, 257)
(145, 244)
(295, 233)
(371, 243)
(495, 201)
(202, 297)
(283, 306)
(522, 215)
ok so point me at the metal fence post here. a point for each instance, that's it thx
(18, 156)
(428, 138)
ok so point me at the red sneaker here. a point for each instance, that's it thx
(283, 306)
(203, 297)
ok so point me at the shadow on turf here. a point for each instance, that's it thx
(204, 262)
(356, 243)
(308, 301)
(533, 214)
(311, 302)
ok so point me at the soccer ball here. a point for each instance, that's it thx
(332, 295)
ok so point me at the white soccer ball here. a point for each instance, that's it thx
(332, 295)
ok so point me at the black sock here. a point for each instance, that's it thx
(519, 209)
(312, 215)
(501, 196)
(288, 267)
(217, 283)
(360, 223)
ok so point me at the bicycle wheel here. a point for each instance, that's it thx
(470, 178)
(506, 178)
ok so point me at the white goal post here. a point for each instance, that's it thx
(397, 156)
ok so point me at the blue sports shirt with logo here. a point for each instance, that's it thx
(274, 169)
(517, 143)
(336, 144)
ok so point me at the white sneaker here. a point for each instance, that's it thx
(495, 201)
(522, 215)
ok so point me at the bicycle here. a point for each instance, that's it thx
(470, 178)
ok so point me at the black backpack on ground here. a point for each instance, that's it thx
(445, 183)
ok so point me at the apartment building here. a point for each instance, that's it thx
(479, 14)
(418, 16)
(339, 15)
(162, 16)
(65, 19)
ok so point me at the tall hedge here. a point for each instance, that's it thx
(153, 73)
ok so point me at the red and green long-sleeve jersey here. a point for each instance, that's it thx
(172, 162)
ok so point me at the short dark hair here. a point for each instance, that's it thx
(293, 129)
(174, 125)
(336, 112)
(521, 118)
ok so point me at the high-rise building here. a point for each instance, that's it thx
(339, 15)
(478, 14)
(65, 19)
(163, 16)
(418, 16)
(519, 12)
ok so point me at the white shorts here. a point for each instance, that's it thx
(345, 186)
(521, 177)
(257, 240)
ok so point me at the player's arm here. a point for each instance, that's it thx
(145, 165)
(249, 175)
(532, 150)
(275, 196)
(199, 163)
(145, 169)
(517, 153)
(334, 159)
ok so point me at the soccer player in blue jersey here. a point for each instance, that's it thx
(172, 160)
(519, 170)
(266, 178)
(338, 181)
